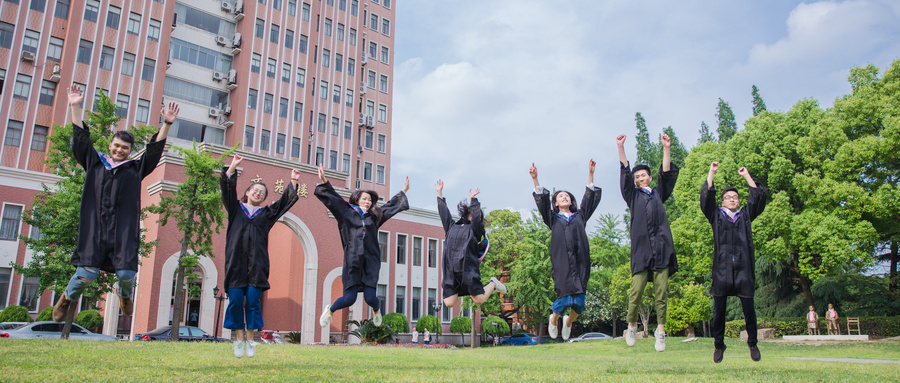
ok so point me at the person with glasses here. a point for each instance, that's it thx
(734, 264)
(247, 251)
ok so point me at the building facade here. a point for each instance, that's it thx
(294, 83)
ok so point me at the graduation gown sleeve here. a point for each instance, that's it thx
(397, 204)
(444, 212)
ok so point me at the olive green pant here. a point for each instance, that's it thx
(660, 285)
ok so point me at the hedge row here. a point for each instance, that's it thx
(877, 326)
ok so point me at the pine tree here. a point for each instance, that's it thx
(705, 134)
(759, 106)
(727, 127)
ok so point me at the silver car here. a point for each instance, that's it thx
(51, 330)
(590, 336)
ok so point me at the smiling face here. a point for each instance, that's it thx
(119, 150)
(563, 201)
(642, 178)
(731, 200)
(256, 194)
(365, 201)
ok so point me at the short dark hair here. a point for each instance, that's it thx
(374, 209)
(244, 197)
(640, 167)
(728, 189)
(126, 136)
(572, 208)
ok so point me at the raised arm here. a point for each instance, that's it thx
(744, 173)
(756, 199)
(76, 111)
(708, 194)
(228, 185)
(169, 114)
(534, 177)
(288, 198)
(439, 187)
(713, 167)
(620, 143)
(591, 166)
(666, 161)
(235, 162)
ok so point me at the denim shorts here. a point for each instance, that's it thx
(576, 302)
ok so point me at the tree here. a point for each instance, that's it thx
(646, 150)
(531, 283)
(461, 325)
(689, 305)
(55, 210)
(619, 289)
(197, 210)
(727, 128)
(705, 134)
(609, 251)
(494, 326)
(759, 106)
(397, 321)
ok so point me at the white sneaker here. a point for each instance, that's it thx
(498, 286)
(251, 348)
(552, 329)
(660, 340)
(325, 319)
(631, 336)
(567, 330)
(376, 319)
(238, 348)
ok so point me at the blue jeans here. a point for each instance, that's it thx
(85, 275)
(241, 310)
(576, 302)
(350, 295)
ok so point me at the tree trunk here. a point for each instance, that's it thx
(893, 284)
(644, 312)
(474, 332)
(615, 315)
(178, 308)
(70, 318)
(690, 332)
(804, 281)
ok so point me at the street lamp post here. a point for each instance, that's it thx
(437, 310)
(496, 333)
(219, 298)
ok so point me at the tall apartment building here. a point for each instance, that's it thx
(296, 83)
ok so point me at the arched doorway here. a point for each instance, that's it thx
(282, 304)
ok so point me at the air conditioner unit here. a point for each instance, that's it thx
(362, 89)
(362, 118)
(218, 76)
(28, 56)
(221, 40)
(370, 121)
(213, 112)
(227, 110)
(232, 76)
(175, 22)
(228, 124)
(226, 6)
(236, 42)
(239, 6)
(56, 69)
(55, 75)
(365, 59)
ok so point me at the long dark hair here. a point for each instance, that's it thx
(572, 208)
(374, 209)
(463, 209)
(244, 197)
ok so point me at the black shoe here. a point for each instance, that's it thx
(754, 354)
(718, 355)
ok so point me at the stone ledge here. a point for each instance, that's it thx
(826, 337)
(761, 333)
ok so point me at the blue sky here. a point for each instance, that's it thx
(484, 88)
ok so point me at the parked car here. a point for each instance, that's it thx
(11, 325)
(51, 330)
(590, 336)
(185, 333)
(520, 339)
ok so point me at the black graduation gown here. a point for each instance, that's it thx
(110, 213)
(359, 235)
(652, 247)
(460, 259)
(734, 263)
(570, 251)
(247, 240)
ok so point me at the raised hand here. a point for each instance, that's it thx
(666, 141)
(714, 166)
(743, 172)
(473, 193)
(620, 140)
(236, 161)
(76, 96)
(169, 114)
(592, 165)
(322, 179)
(533, 171)
(295, 175)
(406, 185)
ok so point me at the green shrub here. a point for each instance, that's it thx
(878, 326)
(461, 325)
(15, 314)
(293, 337)
(430, 322)
(89, 319)
(494, 325)
(45, 314)
(368, 332)
(397, 321)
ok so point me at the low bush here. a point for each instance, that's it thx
(89, 319)
(15, 314)
(396, 321)
(877, 326)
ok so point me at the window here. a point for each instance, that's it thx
(292, 7)
(327, 27)
(9, 227)
(260, 29)
(112, 17)
(351, 66)
(382, 245)
(385, 54)
(153, 31)
(302, 43)
(338, 62)
(432, 299)
(373, 49)
(354, 7)
(270, 67)
(336, 95)
(348, 129)
(323, 90)
(91, 10)
(432, 253)
(31, 41)
(416, 310)
(352, 37)
(373, 21)
(382, 113)
(200, 56)
(248, 136)
(143, 111)
(320, 156)
(342, 5)
(62, 9)
(48, 91)
(379, 179)
(282, 107)
(39, 138)
(289, 39)
(370, 108)
(264, 137)
(54, 49)
(203, 20)
(369, 139)
(251, 98)
(383, 83)
(189, 91)
(13, 133)
(134, 23)
(417, 243)
(301, 77)
(321, 125)
(298, 112)
(6, 34)
(122, 105)
(274, 32)
(349, 98)
(340, 32)
(128, 64)
(335, 126)
(279, 143)
(446, 313)
(326, 58)
(380, 292)
(22, 87)
(386, 27)
(84, 52)
(29, 297)
(5, 276)
(382, 143)
(387, 4)
(276, 4)
(192, 131)
(268, 103)
(149, 69)
(255, 62)
(107, 55)
(295, 147)
(367, 175)
(345, 167)
(332, 160)
(304, 12)
(400, 299)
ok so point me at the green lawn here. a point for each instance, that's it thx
(42, 360)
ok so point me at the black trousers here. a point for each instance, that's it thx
(718, 329)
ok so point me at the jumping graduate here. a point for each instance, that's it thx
(358, 222)
(570, 253)
(734, 265)
(464, 237)
(652, 248)
(108, 232)
(247, 251)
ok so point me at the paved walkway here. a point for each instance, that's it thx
(849, 360)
